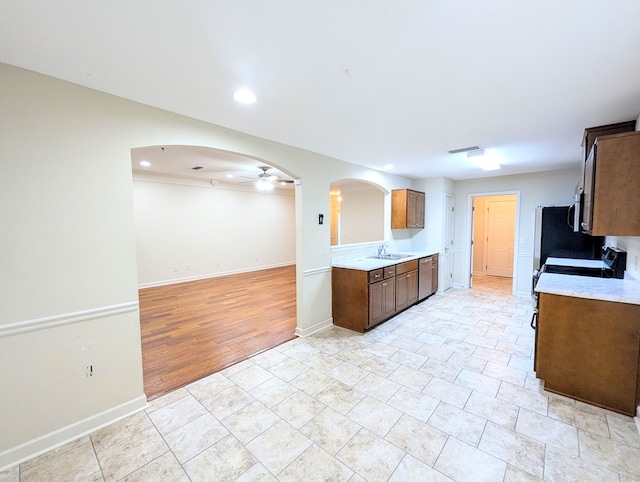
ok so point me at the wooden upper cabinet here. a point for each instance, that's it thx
(611, 204)
(407, 209)
(592, 133)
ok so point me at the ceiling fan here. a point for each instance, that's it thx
(265, 181)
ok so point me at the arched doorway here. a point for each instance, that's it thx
(216, 260)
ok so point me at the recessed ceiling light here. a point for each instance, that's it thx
(229, 176)
(244, 96)
(145, 163)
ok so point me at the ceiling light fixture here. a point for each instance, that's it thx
(244, 96)
(264, 184)
(483, 159)
(145, 163)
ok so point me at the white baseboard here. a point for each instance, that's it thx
(637, 419)
(155, 284)
(320, 326)
(57, 438)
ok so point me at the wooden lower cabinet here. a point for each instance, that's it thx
(362, 299)
(406, 289)
(382, 301)
(589, 350)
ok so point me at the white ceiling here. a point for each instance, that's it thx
(367, 81)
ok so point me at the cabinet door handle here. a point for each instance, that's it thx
(376, 276)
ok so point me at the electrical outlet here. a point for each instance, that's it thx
(175, 269)
(89, 371)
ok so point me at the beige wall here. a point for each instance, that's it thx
(189, 230)
(362, 215)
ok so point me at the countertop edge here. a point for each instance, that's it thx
(369, 264)
(603, 289)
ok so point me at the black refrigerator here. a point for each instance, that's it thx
(555, 237)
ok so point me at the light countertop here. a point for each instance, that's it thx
(606, 289)
(368, 264)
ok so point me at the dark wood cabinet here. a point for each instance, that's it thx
(611, 201)
(382, 301)
(406, 289)
(406, 284)
(362, 299)
(589, 350)
(592, 133)
(407, 209)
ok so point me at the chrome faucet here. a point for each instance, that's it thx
(382, 249)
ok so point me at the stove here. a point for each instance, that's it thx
(611, 264)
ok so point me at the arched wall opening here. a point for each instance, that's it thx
(357, 212)
(214, 252)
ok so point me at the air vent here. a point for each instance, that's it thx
(464, 149)
(197, 168)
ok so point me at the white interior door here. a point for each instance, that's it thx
(446, 266)
(500, 219)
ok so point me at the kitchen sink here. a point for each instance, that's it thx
(390, 256)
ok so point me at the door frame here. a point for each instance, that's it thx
(445, 280)
(468, 248)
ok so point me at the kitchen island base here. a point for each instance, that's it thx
(589, 350)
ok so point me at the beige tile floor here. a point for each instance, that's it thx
(444, 391)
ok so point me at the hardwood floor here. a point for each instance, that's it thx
(191, 330)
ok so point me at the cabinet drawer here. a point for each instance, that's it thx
(376, 275)
(389, 272)
(406, 266)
